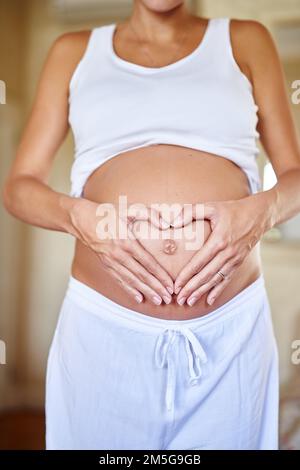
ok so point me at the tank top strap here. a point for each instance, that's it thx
(219, 37)
(95, 47)
(220, 40)
(101, 40)
(220, 51)
(221, 47)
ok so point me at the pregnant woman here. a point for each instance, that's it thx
(163, 341)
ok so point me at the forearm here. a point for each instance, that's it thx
(282, 201)
(35, 203)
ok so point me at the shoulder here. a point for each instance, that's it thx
(256, 50)
(71, 45)
(251, 36)
(250, 29)
(64, 54)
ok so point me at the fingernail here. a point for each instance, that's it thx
(181, 301)
(191, 301)
(177, 289)
(170, 290)
(157, 300)
(164, 224)
(211, 300)
(167, 299)
(138, 298)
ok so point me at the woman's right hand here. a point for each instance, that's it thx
(126, 260)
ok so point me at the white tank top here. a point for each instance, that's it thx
(203, 101)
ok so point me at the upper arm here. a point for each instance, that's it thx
(256, 49)
(47, 124)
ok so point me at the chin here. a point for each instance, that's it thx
(162, 5)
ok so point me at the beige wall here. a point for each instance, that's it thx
(35, 263)
(265, 10)
(12, 232)
(281, 264)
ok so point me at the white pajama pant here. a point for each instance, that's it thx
(118, 379)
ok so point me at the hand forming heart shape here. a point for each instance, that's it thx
(171, 247)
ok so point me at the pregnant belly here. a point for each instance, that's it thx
(165, 176)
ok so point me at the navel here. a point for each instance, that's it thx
(169, 246)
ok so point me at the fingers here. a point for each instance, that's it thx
(215, 281)
(184, 217)
(132, 284)
(146, 277)
(199, 211)
(214, 285)
(131, 291)
(198, 261)
(151, 265)
(216, 291)
(144, 213)
(206, 275)
(156, 219)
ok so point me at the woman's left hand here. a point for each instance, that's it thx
(237, 225)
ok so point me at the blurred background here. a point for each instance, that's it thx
(35, 264)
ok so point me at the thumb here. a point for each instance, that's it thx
(204, 210)
(184, 217)
(198, 211)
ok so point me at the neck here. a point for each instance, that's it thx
(162, 26)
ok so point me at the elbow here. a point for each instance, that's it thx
(6, 197)
(9, 197)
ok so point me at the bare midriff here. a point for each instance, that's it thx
(156, 175)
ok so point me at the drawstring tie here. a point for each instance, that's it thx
(195, 354)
